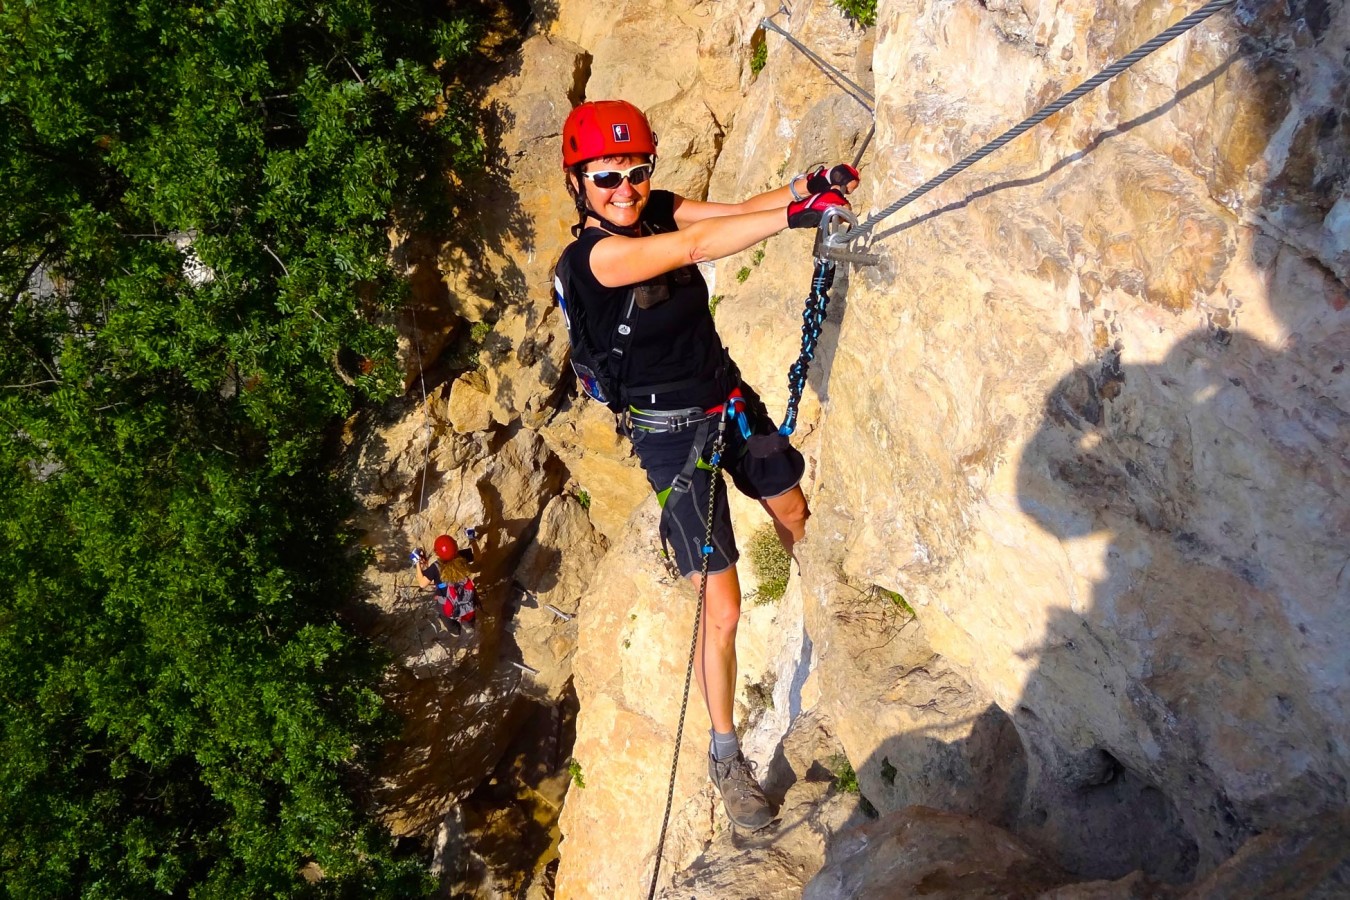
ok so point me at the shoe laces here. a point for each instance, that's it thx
(741, 775)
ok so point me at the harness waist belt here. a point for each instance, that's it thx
(667, 421)
(662, 421)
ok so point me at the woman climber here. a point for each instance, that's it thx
(449, 578)
(632, 289)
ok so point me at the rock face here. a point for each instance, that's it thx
(1077, 574)
(1117, 494)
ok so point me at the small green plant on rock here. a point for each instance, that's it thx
(712, 304)
(845, 779)
(743, 274)
(574, 769)
(772, 565)
(469, 348)
(759, 695)
(584, 498)
(896, 600)
(757, 257)
(759, 57)
(864, 12)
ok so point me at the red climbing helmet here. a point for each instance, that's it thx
(599, 128)
(445, 547)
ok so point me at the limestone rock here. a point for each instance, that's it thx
(632, 655)
(924, 852)
(1306, 859)
(554, 571)
(527, 360)
(417, 477)
(777, 862)
(467, 406)
(1088, 419)
(1100, 453)
(629, 670)
(601, 463)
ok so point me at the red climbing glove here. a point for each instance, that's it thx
(807, 213)
(842, 177)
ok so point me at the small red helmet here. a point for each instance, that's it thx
(599, 128)
(445, 547)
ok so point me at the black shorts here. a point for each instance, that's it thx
(684, 517)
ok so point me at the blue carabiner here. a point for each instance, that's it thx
(736, 411)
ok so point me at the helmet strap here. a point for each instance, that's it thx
(634, 230)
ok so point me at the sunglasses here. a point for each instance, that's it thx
(612, 178)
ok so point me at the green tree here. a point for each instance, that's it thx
(194, 287)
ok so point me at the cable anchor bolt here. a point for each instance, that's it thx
(838, 228)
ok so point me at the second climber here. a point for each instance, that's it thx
(448, 576)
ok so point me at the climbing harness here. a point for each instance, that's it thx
(841, 228)
(715, 472)
(661, 421)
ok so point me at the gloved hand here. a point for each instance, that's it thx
(472, 533)
(843, 177)
(417, 556)
(807, 213)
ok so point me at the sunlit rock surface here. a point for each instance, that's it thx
(1077, 577)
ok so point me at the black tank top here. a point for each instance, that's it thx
(673, 336)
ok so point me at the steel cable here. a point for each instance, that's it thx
(1046, 112)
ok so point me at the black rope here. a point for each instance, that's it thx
(715, 460)
(813, 318)
(1046, 112)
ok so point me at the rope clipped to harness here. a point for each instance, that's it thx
(715, 466)
(836, 230)
(813, 318)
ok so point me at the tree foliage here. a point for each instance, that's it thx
(194, 285)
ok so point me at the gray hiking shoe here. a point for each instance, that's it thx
(747, 807)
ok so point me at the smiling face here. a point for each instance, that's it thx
(621, 205)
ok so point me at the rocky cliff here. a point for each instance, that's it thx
(1073, 599)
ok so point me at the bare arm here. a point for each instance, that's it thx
(687, 211)
(617, 261)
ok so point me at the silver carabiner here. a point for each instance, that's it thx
(838, 227)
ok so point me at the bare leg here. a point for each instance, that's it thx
(715, 663)
(715, 654)
(789, 513)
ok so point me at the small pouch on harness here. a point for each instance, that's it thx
(657, 290)
(651, 293)
(762, 446)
